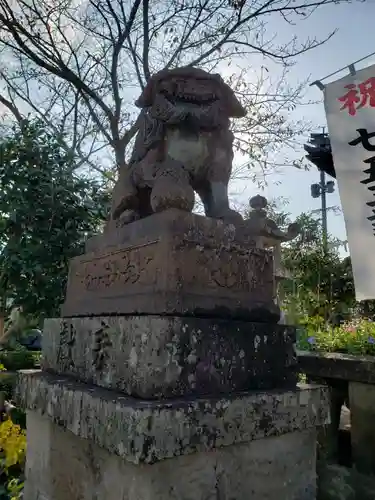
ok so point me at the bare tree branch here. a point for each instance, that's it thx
(12, 108)
(146, 39)
(79, 66)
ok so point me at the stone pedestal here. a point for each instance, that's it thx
(166, 356)
(174, 263)
(86, 443)
(275, 468)
(168, 377)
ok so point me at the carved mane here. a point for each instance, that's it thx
(146, 99)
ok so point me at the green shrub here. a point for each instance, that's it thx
(18, 358)
(7, 384)
(14, 489)
(355, 337)
(12, 459)
(37, 356)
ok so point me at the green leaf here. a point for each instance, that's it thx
(47, 212)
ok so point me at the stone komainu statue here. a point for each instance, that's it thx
(183, 146)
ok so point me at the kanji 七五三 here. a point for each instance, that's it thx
(369, 182)
(364, 138)
(370, 172)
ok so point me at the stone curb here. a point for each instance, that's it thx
(338, 366)
(150, 431)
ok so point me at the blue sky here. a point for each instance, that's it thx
(354, 40)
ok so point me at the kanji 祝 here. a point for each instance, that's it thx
(358, 96)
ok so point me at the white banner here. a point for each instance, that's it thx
(350, 109)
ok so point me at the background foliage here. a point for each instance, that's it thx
(354, 337)
(321, 282)
(46, 213)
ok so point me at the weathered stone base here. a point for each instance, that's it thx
(150, 431)
(156, 357)
(86, 443)
(61, 466)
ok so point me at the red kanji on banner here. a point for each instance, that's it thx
(350, 99)
(358, 96)
(367, 91)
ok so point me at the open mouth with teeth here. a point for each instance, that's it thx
(193, 99)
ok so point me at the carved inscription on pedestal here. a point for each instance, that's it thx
(102, 345)
(259, 270)
(242, 272)
(128, 266)
(66, 344)
(168, 275)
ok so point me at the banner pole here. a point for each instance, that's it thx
(351, 67)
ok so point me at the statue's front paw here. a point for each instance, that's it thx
(121, 220)
(126, 217)
(231, 216)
